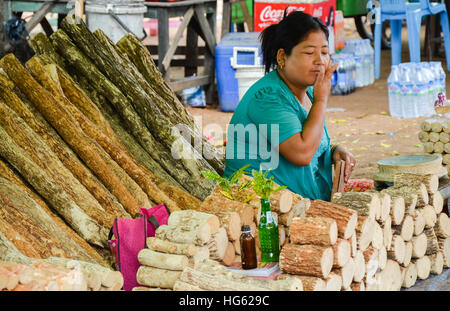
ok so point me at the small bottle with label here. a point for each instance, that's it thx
(248, 249)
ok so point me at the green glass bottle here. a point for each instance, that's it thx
(268, 234)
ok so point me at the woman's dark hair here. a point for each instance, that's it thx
(289, 32)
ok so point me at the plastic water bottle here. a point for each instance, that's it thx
(352, 68)
(420, 89)
(408, 105)
(441, 78)
(359, 59)
(395, 104)
(372, 61)
(335, 90)
(427, 70)
(437, 81)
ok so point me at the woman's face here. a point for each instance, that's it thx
(304, 64)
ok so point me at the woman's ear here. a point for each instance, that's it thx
(281, 58)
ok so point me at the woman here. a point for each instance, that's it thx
(284, 111)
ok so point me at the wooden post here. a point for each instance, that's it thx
(190, 67)
(163, 38)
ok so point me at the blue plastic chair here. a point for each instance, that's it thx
(397, 10)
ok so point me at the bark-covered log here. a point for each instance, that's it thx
(423, 266)
(41, 45)
(408, 254)
(198, 234)
(124, 107)
(216, 283)
(366, 204)
(138, 54)
(13, 176)
(151, 258)
(229, 255)
(40, 126)
(387, 233)
(52, 192)
(310, 260)
(341, 253)
(437, 263)
(39, 152)
(429, 216)
(216, 203)
(310, 283)
(419, 221)
(151, 167)
(145, 104)
(360, 266)
(444, 247)
(67, 127)
(333, 282)
(155, 277)
(346, 218)
(364, 231)
(49, 78)
(442, 226)
(432, 242)
(397, 209)
(25, 204)
(183, 286)
(437, 201)
(218, 245)
(419, 245)
(405, 229)
(415, 188)
(25, 233)
(194, 217)
(193, 134)
(313, 230)
(409, 198)
(431, 181)
(232, 224)
(378, 238)
(409, 275)
(346, 272)
(397, 249)
(163, 246)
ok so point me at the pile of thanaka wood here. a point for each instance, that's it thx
(371, 240)
(435, 136)
(91, 132)
(57, 274)
(232, 214)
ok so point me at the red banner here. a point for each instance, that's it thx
(268, 13)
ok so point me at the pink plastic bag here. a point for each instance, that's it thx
(130, 237)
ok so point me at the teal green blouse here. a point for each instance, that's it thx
(268, 114)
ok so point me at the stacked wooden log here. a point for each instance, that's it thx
(57, 274)
(321, 250)
(422, 245)
(189, 237)
(384, 238)
(435, 136)
(91, 132)
(212, 276)
(232, 214)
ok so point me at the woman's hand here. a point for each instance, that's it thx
(322, 86)
(340, 153)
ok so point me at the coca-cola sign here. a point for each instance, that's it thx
(268, 13)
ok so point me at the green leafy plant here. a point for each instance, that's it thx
(263, 186)
(231, 188)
